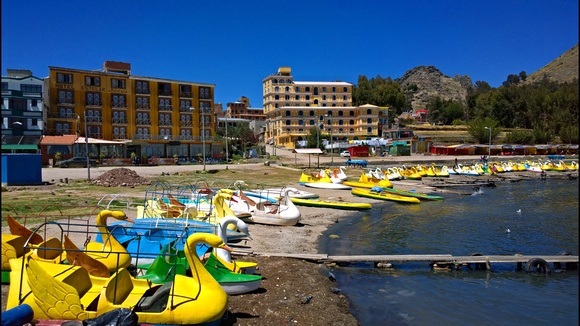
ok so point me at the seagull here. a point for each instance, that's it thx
(331, 277)
(519, 211)
(508, 230)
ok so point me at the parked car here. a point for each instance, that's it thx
(345, 154)
(78, 162)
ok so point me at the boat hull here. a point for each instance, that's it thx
(331, 204)
(384, 196)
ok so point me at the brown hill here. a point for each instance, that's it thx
(562, 69)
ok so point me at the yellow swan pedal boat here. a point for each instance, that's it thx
(109, 252)
(368, 182)
(57, 291)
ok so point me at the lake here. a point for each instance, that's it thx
(486, 222)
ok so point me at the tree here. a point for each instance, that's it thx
(477, 130)
(314, 138)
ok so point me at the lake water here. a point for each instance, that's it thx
(414, 294)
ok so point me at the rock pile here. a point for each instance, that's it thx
(121, 177)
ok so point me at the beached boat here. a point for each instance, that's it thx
(57, 291)
(274, 194)
(235, 277)
(367, 182)
(265, 211)
(412, 194)
(379, 193)
(336, 204)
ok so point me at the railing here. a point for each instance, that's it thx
(165, 123)
(123, 121)
(185, 123)
(143, 107)
(166, 108)
(67, 116)
(142, 91)
(164, 93)
(95, 103)
(94, 119)
(65, 102)
(143, 122)
(185, 94)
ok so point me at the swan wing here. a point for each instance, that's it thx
(18, 229)
(78, 258)
(57, 299)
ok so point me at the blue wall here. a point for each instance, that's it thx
(21, 169)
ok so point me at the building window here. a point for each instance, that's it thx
(93, 99)
(119, 101)
(185, 91)
(142, 102)
(4, 86)
(30, 88)
(204, 93)
(307, 89)
(334, 89)
(324, 89)
(297, 89)
(92, 81)
(164, 89)
(142, 87)
(65, 97)
(297, 97)
(118, 83)
(17, 104)
(287, 89)
(345, 89)
(64, 78)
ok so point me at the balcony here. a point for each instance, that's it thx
(94, 104)
(186, 94)
(185, 137)
(145, 107)
(165, 123)
(165, 108)
(185, 109)
(119, 121)
(143, 122)
(185, 123)
(67, 102)
(142, 136)
(62, 116)
(120, 136)
(142, 91)
(164, 92)
(94, 119)
(119, 106)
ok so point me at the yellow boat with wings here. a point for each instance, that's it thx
(65, 292)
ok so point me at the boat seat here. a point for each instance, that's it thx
(81, 281)
(118, 287)
(161, 271)
(49, 249)
(157, 301)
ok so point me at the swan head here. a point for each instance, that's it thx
(118, 215)
(240, 225)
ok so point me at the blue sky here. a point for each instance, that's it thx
(236, 44)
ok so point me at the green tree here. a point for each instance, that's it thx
(477, 130)
(569, 134)
(314, 138)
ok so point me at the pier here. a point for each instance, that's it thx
(531, 263)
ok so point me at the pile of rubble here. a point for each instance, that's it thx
(121, 177)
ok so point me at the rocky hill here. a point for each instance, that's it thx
(424, 82)
(563, 69)
(431, 82)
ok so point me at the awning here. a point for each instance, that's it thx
(20, 147)
(81, 140)
(307, 151)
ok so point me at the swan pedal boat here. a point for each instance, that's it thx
(323, 182)
(336, 204)
(64, 292)
(368, 182)
(379, 193)
(265, 211)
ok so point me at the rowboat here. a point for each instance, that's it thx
(379, 193)
(79, 296)
(336, 204)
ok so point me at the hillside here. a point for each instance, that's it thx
(562, 69)
(431, 82)
(425, 82)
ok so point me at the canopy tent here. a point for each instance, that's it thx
(307, 151)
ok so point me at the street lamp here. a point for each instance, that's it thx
(331, 143)
(320, 125)
(202, 115)
(226, 116)
(489, 148)
(87, 148)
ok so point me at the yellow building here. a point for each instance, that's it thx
(292, 108)
(154, 116)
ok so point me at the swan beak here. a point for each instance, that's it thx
(226, 247)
